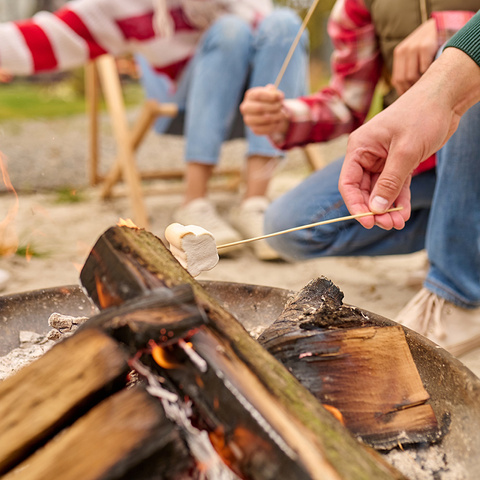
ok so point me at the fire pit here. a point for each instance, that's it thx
(454, 390)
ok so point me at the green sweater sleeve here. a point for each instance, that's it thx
(468, 39)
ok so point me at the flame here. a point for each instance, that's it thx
(28, 253)
(161, 357)
(126, 223)
(241, 443)
(335, 412)
(8, 237)
(105, 298)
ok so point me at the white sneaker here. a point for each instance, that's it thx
(248, 220)
(201, 212)
(455, 329)
(4, 278)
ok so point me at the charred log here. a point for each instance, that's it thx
(363, 370)
(44, 397)
(109, 440)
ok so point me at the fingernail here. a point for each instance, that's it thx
(378, 204)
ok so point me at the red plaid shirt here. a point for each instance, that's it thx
(356, 67)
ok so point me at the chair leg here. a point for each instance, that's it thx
(92, 97)
(315, 159)
(140, 129)
(113, 96)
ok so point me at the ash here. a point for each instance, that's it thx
(33, 345)
(425, 464)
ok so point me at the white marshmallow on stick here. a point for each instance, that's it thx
(193, 247)
(196, 250)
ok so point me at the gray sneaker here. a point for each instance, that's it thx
(455, 329)
(201, 212)
(248, 220)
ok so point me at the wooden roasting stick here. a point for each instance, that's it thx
(278, 414)
(303, 227)
(295, 43)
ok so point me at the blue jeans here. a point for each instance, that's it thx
(445, 219)
(230, 58)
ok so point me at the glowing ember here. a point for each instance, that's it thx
(126, 223)
(187, 347)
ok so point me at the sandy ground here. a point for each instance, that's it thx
(43, 157)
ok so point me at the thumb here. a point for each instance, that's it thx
(389, 185)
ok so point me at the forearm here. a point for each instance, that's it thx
(456, 77)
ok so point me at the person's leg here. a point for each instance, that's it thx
(317, 198)
(453, 240)
(219, 73)
(272, 41)
(218, 76)
(446, 309)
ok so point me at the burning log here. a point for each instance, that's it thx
(108, 441)
(81, 383)
(364, 370)
(45, 395)
(262, 421)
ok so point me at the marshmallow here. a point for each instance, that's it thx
(193, 247)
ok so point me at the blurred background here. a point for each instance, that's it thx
(60, 94)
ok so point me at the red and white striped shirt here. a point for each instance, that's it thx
(356, 65)
(85, 29)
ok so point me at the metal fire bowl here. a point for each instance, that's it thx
(453, 388)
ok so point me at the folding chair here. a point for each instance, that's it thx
(103, 73)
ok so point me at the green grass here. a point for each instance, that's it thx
(69, 195)
(26, 100)
(28, 251)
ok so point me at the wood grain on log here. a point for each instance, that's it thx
(364, 370)
(109, 440)
(44, 396)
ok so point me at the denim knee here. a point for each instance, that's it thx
(281, 25)
(291, 246)
(228, 33)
